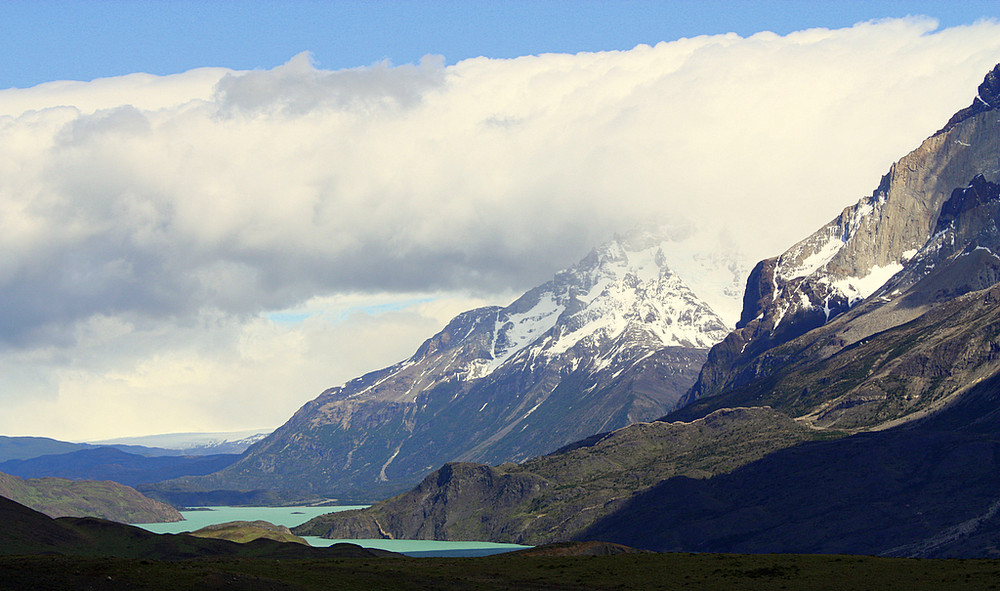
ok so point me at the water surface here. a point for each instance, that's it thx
(292, 516)
(203, 516)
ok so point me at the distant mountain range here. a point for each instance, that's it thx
(171, 444)
(864, 375)
(615, 339)
(192, 444)
(126, 463)
(108, 463)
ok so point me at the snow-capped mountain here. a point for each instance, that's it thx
(230, 442)
(896, 236)
(615, 339)
(621, 297)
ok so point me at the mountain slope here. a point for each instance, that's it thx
(59, 497)
(613, 340)
(924, 489)
(887, 377)
(555, 497)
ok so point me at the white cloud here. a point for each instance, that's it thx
(165, 217)
(216, 373)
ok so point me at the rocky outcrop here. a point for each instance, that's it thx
(987, 99)
(616, 339)
(248, 531)
(453, 503)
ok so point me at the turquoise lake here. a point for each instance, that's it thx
(292, 516)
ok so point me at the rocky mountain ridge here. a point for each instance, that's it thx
(613, 340)
(859, 251)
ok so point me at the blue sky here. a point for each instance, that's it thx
(45, 40)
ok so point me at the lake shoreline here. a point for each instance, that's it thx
(198, 517)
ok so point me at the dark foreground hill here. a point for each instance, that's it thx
(623, 572)
(40, 553)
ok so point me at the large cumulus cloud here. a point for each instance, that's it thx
(182, 209)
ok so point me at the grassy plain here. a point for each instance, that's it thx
(506, 572)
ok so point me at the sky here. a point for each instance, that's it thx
(210, 212)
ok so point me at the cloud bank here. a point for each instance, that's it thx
(152, 227)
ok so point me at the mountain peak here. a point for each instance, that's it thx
(987, 99)
(643, 237)
(978, 192)
(621, 292)
(989, 90)
(615, 339)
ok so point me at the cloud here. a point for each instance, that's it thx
(216, 373)
(158, 203)
(298, 88)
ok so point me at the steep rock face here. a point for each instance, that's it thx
(613, 340)
(917, 342)
(883, 378)
(854, 255)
